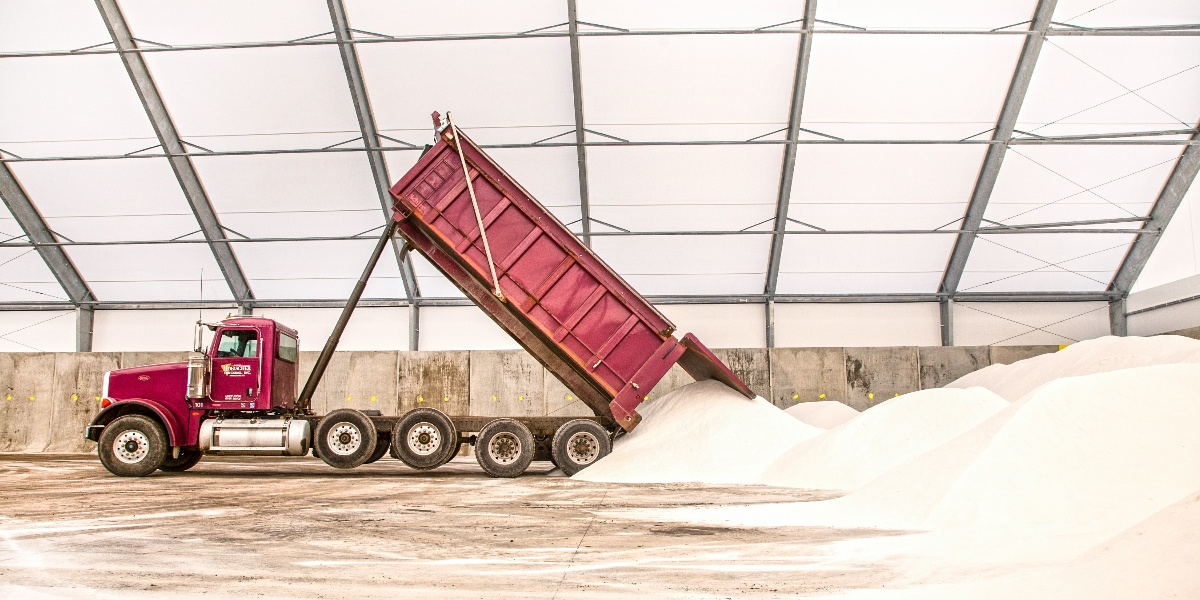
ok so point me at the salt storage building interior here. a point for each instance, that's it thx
(943, 253)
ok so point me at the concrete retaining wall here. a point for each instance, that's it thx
(48, 398)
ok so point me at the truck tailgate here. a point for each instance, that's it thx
(563, 304)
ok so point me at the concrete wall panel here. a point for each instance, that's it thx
(675, 378)
(750, 365)
(506, 383)
(141, 359)
(876, 374)
(371, 381)
(807, 375)
(1006, 355)
(441, 380)
(942, 364)
(331, 392)
(27, 406)
(78, 381)
(560, 401)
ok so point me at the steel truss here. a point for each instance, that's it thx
(1145, 231)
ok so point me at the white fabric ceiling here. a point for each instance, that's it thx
(731, 87)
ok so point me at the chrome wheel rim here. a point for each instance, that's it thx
(131, 446)
(344, 439)
(583, 448)
(424, 439)
(504, 448)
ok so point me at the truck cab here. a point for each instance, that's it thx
(243, 382)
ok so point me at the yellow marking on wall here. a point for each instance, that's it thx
(1061, 346)
(74, 397)
(31, 398)
(372, 398)
(822, 396)
(420, 399)
(495, 399)
(795, 396)
(871, 395)
(8, 396)
(896, 395)
(97, 398)
(445, 398)
(347, 398)
(520, 398)
(569, 398)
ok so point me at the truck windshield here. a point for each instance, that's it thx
(238, 343)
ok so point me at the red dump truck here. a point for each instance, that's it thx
(510, 256)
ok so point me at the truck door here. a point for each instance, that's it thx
(236, 369)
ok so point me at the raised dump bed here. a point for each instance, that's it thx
(540, 283)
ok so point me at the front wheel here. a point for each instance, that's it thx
(132, 446)
(187, 459)
(345, 438)
(578, 444)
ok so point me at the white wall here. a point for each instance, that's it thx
(1028, 323)
(37, 331)
(461, 328)
(902, 324)
(1170, 318)
(719, 325)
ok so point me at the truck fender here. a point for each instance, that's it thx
(174, 429)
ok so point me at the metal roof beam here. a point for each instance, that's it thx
(370, 136)
(1169, 199)
(994, 158)
(46, 243)
(585, 208)
(181, 162)
(788, 168)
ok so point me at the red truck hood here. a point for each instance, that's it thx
(158, 382)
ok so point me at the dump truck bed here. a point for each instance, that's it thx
(557, 298)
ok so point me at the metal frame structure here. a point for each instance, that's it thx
(379, 170)
(172, 144)
(992, 161)
(1146, 231)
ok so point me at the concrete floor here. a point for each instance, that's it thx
(295, 528)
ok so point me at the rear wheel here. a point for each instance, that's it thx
(504, 448)
(424, 438)
(187, 459)
(132, 446)
(381, 448)
(345, 438)
(579, 443)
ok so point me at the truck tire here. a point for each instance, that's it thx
(505, 448)
(578, 444)
(187, 459)
(132, 446)
(424, 438)
(381, 447)
(345, 438)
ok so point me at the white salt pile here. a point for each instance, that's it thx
(1100, 355)
(703, 432)
(882, 438)
(1069, 466)
(825, 414)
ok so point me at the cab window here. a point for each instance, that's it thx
(238, 343)
(288, 348)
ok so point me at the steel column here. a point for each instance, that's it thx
(1118, 318)
(787, 171)
(370, 134)
(85, 320)
(585, 208)
(46, 243)
(946, 315)
(1002, 134)
(1168, 201)
(181, 162)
